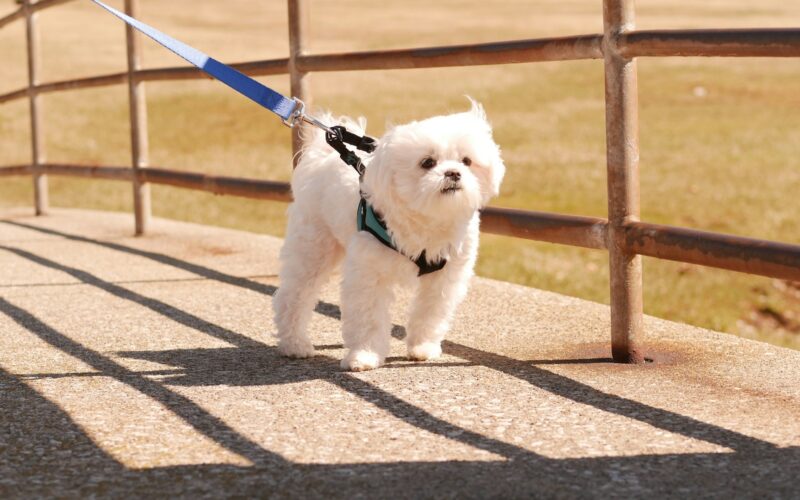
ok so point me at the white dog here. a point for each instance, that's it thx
(427, 180)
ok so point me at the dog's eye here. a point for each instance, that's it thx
(467, 161)
(427, 163)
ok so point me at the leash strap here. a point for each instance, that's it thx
(280, 105)
(290, 110)
(363, 143)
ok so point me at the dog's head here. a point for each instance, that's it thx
(445, 166)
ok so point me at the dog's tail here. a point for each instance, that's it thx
(314, 146)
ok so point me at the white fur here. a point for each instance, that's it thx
(322, 232)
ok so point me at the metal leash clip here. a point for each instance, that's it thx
(299, 114)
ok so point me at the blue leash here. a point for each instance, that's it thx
(290, 110)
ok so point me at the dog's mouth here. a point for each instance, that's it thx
(451, 189)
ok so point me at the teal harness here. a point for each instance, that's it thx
(368, 220)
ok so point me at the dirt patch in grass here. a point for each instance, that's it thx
(775, 315)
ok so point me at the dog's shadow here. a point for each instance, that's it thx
(261, 364)
(237, 366)
(251, 366)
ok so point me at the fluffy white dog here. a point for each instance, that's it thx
(426, 180)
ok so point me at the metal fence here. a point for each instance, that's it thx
(623, 235)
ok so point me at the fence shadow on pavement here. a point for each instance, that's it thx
(47, 453)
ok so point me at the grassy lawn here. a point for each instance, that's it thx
(719, 138)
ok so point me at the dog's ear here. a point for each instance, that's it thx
(498, 172)
(377, 179)
(477, 109)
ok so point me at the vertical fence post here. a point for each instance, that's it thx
(300, 84)
(138, 122)
(622, 157)
(41, 198)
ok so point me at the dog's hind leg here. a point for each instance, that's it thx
(308, 256)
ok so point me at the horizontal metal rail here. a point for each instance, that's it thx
(9, 18)
(94, 172)
(766, 42)
(516, 51)
(69, 170)
(735, 253)
(574, 230)
(588, 232)
(655, 43)
(15, 170)
(17, 94)
(236, 186)
(20, 12)
(46, 4)
(263, 67)
(252, 68)
(519, 51)
(80, 83)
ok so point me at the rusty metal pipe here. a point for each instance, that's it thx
(14, 95)
(253, 68)
(587, 232)
(656, 43)
(735, 253)
(41, 199)
(264, 67)
(711, 43)
(248, 188)
(236, 186)
(9, 18)
(46, 4)
(15, 170)
(34, 7)
(137, 115)
(299, 79)
(82, 83)
(78, 83)
(767, 42)
(515, 51)
(622, 158)
(92, 172)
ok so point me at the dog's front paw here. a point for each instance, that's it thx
(425, 351)
(360, 360)
(292, 348)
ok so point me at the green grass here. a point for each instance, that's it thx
(719, 141)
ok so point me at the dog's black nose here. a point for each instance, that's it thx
(453, 174)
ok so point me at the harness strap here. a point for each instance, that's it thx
(363, 143)
(338, 136)
(370, 221)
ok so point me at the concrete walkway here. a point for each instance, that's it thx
(146, 367)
